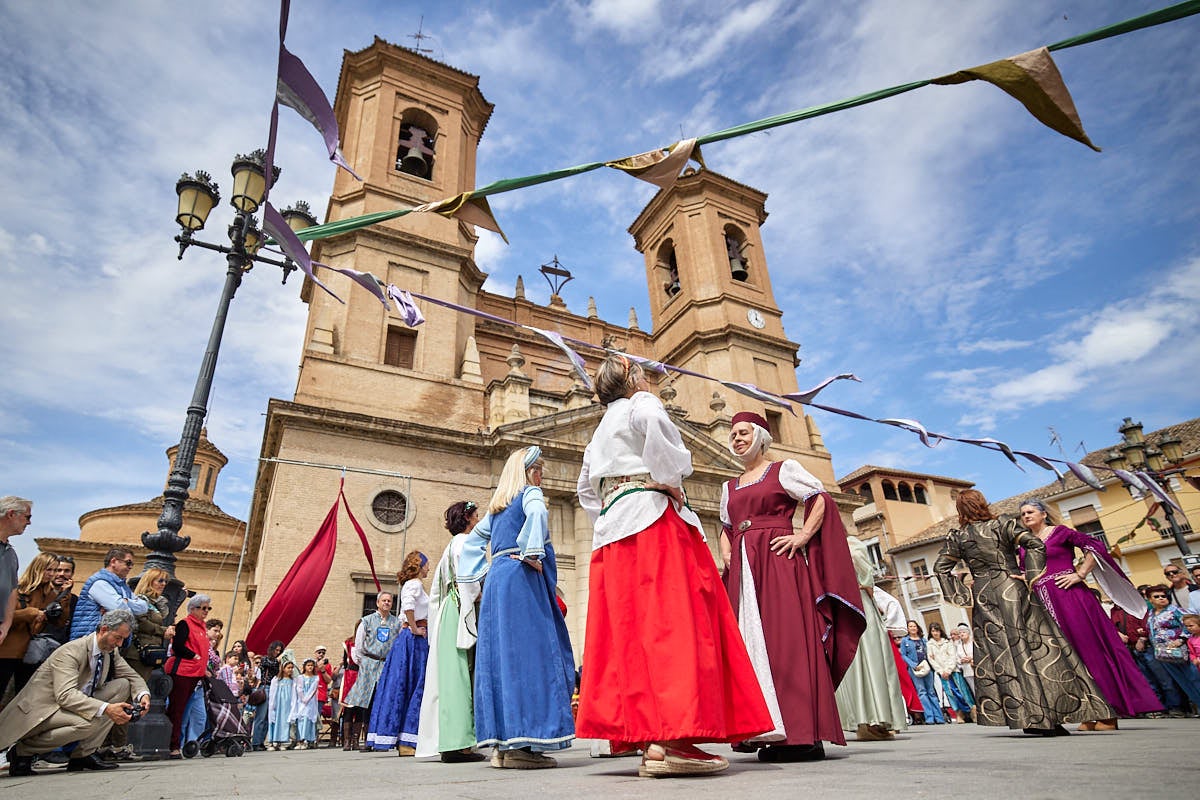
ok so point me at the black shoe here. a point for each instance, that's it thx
(88, 762)
(461, 756)
(918, 717)
(1059, 730)
(744, 747)
(1038, 732)
(789, 753)
(259, 748)
(19, 766)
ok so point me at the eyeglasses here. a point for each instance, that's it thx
(204, 608)
(1158, 597)
(1171, 573)
(128, 562)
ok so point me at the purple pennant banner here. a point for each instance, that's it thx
(366, 280)
(297, 89)
(807, 397)
(281, 232)
(1129, 479)
(577, 362)
(1158, 491)
(912, 426)
(750, 390)
(409, 312)
(1085, 474)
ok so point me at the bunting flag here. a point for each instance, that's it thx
(807, 397)
(1133, 481)
(1157, 491)
(468, 208)
(1032, 79)
(1133, 531)
(912, 426)
(282, 234)
(409, 312)
(367, 280)
(296, 596)
(660, 167)
(1085, 474)
(577, 362)
(750, 390)
(297, 89)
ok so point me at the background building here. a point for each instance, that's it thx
(209, 564)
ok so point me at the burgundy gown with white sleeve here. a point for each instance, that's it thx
(801, 617)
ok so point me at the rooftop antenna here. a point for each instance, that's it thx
(419, 36)
(1056, 440)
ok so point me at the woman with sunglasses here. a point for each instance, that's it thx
(187, 664)
(1168, 637)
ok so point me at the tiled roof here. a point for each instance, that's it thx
(867, 469)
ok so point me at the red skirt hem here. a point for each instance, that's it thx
(663, 658)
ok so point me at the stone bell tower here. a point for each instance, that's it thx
(410, 127)
(713, 309)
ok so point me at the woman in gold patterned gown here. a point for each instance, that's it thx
(1026, 675)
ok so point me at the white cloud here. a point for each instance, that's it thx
(1115, 347)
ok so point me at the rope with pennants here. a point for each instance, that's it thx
(1032, 78)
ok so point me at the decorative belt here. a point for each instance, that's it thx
(613, 487)
(762, 522)
(372, 656)
(1051, 576)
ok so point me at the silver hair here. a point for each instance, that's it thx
(198, 600)
(13, 503)
(762, 440)
(116, 618)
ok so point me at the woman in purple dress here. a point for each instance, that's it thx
(1063, 590)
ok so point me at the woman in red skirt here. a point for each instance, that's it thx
(664, 665)
(795, 594)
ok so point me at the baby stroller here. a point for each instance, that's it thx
(226, 732)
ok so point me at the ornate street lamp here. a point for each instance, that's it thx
(198, 195)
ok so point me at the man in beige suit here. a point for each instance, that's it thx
(75, 696)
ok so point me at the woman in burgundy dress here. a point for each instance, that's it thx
(1063, 590)
(795, 594)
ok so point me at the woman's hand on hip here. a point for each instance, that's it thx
(789, 545)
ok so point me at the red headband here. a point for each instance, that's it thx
(749, 416)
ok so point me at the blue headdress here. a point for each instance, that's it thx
(532, 455)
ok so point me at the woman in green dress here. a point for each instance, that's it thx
(447, 724)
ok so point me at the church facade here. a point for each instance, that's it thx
(423, 417)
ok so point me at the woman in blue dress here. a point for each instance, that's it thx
(524, 669)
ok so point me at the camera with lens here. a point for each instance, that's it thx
(53, 611)
(135, 712)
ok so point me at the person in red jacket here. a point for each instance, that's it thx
(187, 664)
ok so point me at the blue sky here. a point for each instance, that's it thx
(979, 272)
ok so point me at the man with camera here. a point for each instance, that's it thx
(80, 691)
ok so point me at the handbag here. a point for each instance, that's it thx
(1170, 655)
(152, 655)
(40, 648)
(257, 697)
(922, 669)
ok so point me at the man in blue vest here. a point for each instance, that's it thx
(106, 591)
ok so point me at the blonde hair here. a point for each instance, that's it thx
(616, 377)
(513, 479)
(145, 585)
(35, 574)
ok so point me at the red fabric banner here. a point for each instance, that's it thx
(288, 609)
